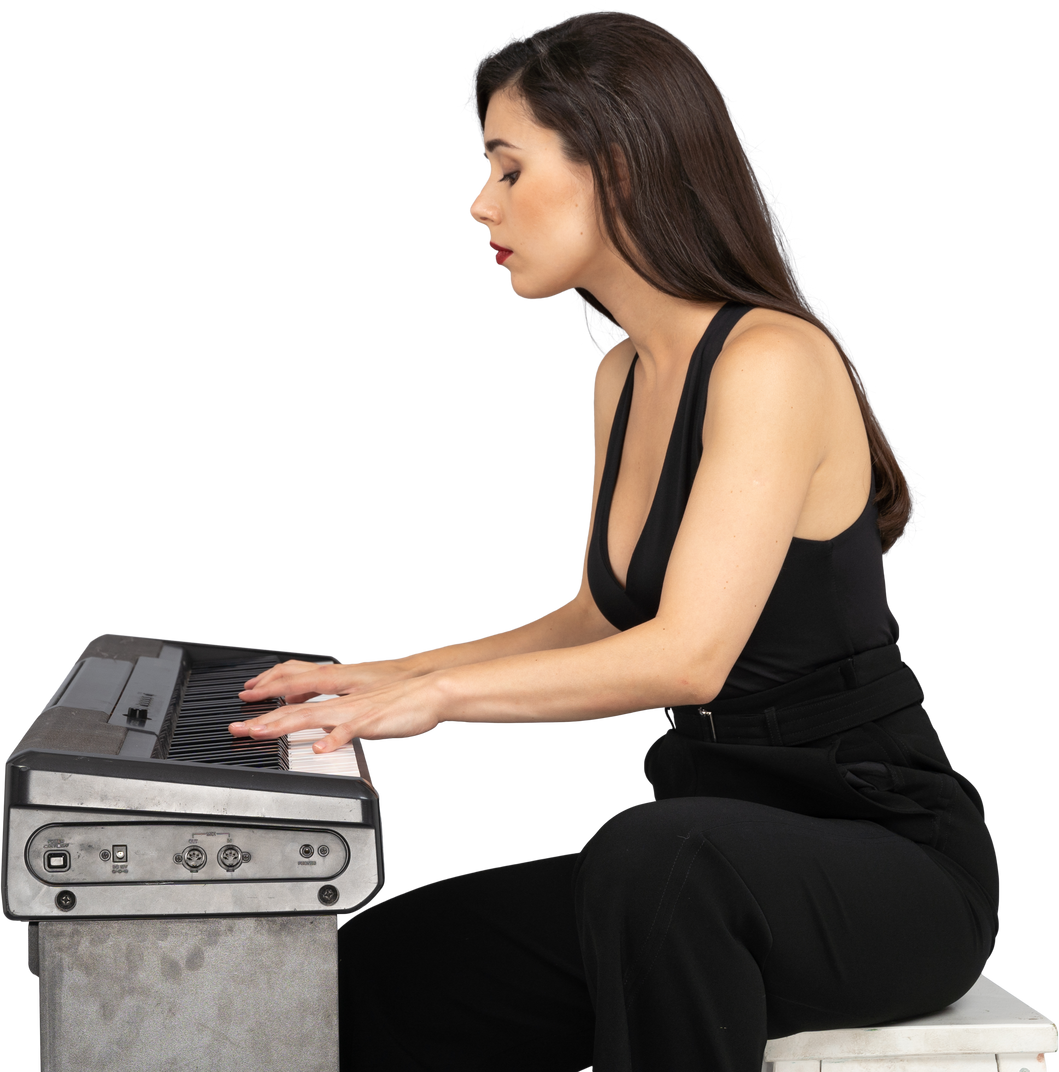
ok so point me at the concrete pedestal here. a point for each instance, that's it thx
(258, 994)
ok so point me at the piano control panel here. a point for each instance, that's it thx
(128, 797)
(69, 854)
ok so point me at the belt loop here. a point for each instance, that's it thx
(704, 715)
(849, 673)
(775, 737)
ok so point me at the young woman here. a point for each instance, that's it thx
(811, 860)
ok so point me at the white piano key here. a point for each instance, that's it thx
(301, 757)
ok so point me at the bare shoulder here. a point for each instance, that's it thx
(781, 372)
(776, 356)
(767, 327)
(610, 379)
(764, 337)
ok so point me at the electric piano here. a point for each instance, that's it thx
(127, 797)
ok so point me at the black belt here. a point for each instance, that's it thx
(835, 698)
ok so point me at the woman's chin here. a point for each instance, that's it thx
(536, 288)
(524, 293)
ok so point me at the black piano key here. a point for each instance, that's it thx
(210, 702)
(233, 754)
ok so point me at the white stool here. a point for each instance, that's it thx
(987, 1030)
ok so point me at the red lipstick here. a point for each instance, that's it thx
(502, 253)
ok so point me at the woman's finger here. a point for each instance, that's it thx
(281, 671)
(273, 691)
(250, 726)
(289, 718)
(339, 736)
(242, 729)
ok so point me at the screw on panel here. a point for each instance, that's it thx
(323, 850)
(328, 895)
(104, 855)
(65, 900)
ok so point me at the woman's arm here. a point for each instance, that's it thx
(578, 622)
(650, 665)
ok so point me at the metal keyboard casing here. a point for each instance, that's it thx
(48, 786)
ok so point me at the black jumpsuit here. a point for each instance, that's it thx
(811, 860)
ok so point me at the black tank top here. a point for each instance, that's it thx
(829, 600)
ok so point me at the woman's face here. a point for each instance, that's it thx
(537, 204)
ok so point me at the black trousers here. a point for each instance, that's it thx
(691, 929)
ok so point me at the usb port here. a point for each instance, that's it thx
(56, 860)
(120, 854)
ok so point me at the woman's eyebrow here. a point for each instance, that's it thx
(497, 143)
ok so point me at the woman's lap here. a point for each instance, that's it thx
(482, 971)
(687, 932)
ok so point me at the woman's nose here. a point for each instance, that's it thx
(477, 211)
(484, 209)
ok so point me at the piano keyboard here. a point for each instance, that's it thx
(128, 797)
(199, 730)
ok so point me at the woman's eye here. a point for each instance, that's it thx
(511, 177)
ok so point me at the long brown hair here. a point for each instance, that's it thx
(678, 197)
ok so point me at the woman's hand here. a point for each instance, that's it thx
(299, 681)
(401, 708)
